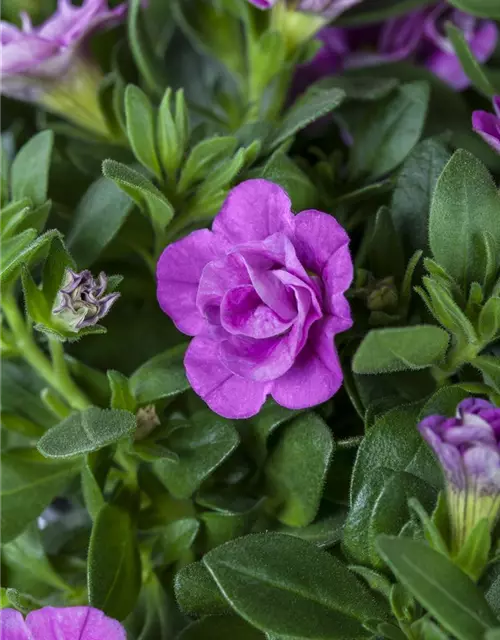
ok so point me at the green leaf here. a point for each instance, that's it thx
(36, 304)
(394, 442)
(21, 601)
(196, 592)
(489, 320)
(483, 8)
(29, 484)
(202, 445)
(30, 169)
(286, 586)
(400, 349)
(205, 155)
(86, 431)
(378, 10)
(98, 217)
(220, 527)
(440, 587)
(296, 470)
(412, 195)
(385, 254)
(490, 367)
(121, 394)
(92, 494)
(141, 128)
(114, 566)
(220, 628)
(258, 429)
(384, 139)
(161, 377)
(149, 199)
(465, 205)
(282, 170)
(54, 269)
(177, 538)
(148, 63)
(23, 250)
(27, 553)
(170, 143)
(469, 63)
(311, 106)
(324, 533)
(381, 506)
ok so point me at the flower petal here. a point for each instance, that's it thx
(254, 210)
(73, 623)
(228, 395)
(316, 374)
(487, 125)
(12, 626)
(316, 238)
(243, 313)
(178, 274)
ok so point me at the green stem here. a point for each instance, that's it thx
(57, 375)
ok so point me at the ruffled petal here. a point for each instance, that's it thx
(12, 626)
(243, 313)
(316, 238)
(178, 274)
(316, 374)
(254, 210)
(228, 395)
(73, 623)
(337, 276)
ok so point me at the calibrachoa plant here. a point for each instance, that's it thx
(250, 320)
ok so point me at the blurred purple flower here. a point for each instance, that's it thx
(82, 301)
(47, 63)
(263, 296)
(418, 36)
(468, 448)
(327, 8)
(487, 125)
(50, 623)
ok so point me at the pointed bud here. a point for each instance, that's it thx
(82, 301)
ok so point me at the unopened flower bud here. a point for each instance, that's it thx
(82, 300)
(468, 449)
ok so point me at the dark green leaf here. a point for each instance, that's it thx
(141, 129)
(311, 106)
(177, 538)
(150, 199)
(400, 349)
(384, 139)
(29, 484)
(121, 394)
(30, 169)
(286, 586)
(381, 506)
(161, 377)
(114, 566)
(197, 593)
(441, 587)
(86, 431)
(297, 467)
(23, 250)
(202, 446)
(415, 185)
(465, 205)
(97, 219)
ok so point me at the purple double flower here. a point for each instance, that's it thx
(418, 36)
(468, 449)
(52, 623)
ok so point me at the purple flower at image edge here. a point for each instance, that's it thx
(487, 125)
(468, 449)
(51, 623)
(263, 296)
(418, 36)
(50, 65)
